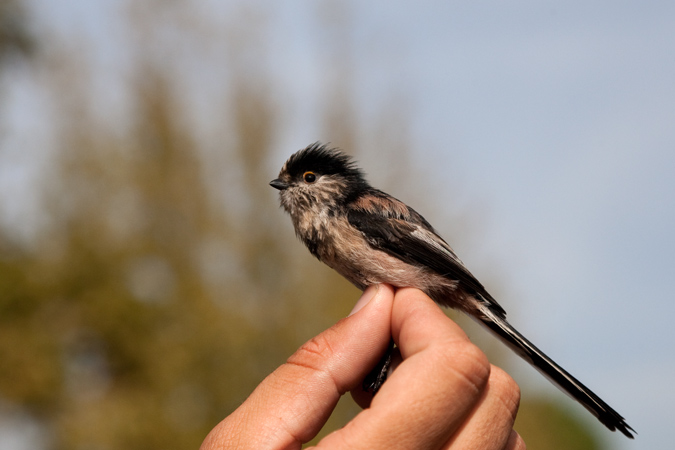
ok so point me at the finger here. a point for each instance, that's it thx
(428, 396)
(291, 405)
(490, 424)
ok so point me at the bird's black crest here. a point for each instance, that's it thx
(323, 160)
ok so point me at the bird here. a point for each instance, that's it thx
(370, 237)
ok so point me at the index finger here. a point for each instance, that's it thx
(291, 405)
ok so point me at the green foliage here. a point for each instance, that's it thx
(145, 312)
(546, 426)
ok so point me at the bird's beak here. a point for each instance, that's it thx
(278, 184)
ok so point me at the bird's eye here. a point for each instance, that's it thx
(309, 177)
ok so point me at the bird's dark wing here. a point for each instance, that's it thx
(391, 226)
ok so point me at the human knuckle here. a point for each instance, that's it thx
(506, 389)
(470, 363)
(313, 352)
(475, 362)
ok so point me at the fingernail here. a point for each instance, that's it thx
(366, 297)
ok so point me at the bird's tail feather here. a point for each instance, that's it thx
(496, 322)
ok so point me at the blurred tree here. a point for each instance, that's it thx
(148, 307)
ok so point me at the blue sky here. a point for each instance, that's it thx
(553, 122)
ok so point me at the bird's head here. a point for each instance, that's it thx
(318, 177)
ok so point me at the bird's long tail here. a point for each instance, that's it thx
(496, 322)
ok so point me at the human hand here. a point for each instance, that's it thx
(443, 395)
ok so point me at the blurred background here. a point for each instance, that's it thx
(149, 280)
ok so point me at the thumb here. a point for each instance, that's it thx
(292, 404)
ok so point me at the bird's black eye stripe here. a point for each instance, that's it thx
(309, 177)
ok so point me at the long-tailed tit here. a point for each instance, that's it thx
(370, 237)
